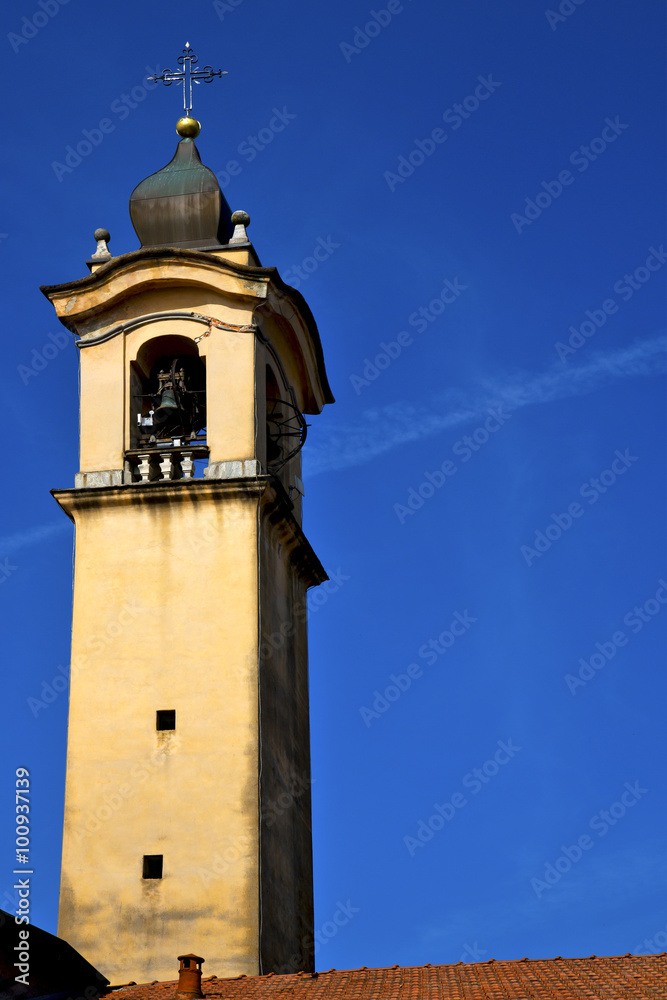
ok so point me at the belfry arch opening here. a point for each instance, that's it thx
(167, 408)
(168, 390)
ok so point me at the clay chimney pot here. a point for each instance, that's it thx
(189, 977)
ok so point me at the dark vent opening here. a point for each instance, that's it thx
(152, 866)
(166, 719)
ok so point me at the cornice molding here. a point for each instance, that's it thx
(262, 490)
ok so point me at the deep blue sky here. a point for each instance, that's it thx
(516, 288)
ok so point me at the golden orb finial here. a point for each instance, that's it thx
(188, 128)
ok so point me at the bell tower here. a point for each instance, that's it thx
(187, 810)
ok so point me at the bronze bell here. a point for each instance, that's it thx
(168, 406)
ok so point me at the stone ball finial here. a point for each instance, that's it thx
(102, 253)
(240, 220)
(188, 128)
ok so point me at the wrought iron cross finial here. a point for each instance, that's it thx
(188, 75)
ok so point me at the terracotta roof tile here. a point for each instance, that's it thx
(622, 977)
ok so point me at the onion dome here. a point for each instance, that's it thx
(182, 204)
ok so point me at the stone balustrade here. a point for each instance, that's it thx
(163, 464)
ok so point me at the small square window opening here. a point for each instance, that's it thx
(152, 866)
(166, 719)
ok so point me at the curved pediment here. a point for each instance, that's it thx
(163, 282)
(88, 304)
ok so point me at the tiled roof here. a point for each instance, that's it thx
(624, 977)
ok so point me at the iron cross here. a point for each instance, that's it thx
(188, 75)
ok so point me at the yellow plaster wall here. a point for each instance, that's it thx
(230, 395)
(165, 616)
(102, 406)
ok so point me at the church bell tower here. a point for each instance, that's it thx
(187, 809)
